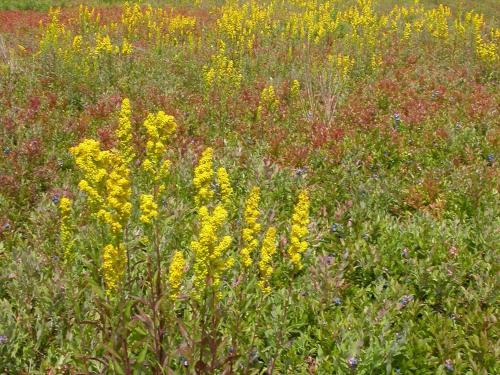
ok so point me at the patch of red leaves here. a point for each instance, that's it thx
(12, 21)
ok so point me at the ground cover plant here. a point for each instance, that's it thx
(249, 187)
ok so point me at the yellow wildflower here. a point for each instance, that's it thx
(203, 174)
(159, 128)
(294, 88)
(113, 266)
(252, 228)
(300, 221)
(66, 227)
(266, 253)
(226, 191)
(124, 133)
(148, 208)
(209, 250)
(126, 47)
(175, 273)
(118, 193)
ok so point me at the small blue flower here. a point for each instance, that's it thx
(490, 159)
(300, 171)
(448, 365)
(6, 150)
(6, 226)
(352, 362)
(405, 300)
(3, 339)
(405, 252)
(335, 227)
(398, 371)
(337, 301)
(184, 362)
(56, 199)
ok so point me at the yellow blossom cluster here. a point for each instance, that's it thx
(295, 88)
(269, 101)
(149, 209)
(226, 190)
(175, 274)
(159, 127)
(124, 132)
(265, 264)
(156, 25)
(209, 250)
(222, 72)
(203, 175)
(114, 264)
(252, 227)
(300, 221)
(343, 64)
(107, 185)
(66, 228)
(239, 24)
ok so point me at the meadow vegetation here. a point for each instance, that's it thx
(249, 187)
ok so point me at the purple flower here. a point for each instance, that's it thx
(405, 252)
(448, 365)
(405, 300)
(352, 362)
(300, 171)
(490, 159)
(56, 199)
(3, 339)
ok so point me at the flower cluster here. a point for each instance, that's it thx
(266, 253)
(175, 273)
(226, 191)
(222, 72)
(159, 127)
(209, 249)
(113, 266)
(295, 88)
(269, 101)
(149, 209)
(124, 132)
(117, 207)
(66, 227)
(203, 175)
(252, 227)
(300, 221)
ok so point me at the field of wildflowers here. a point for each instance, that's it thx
(249, 187)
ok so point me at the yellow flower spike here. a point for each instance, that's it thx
(175, 273)
(252, 227)
(268, 99)
(66, 228)
(300, 221)
(295, 88)
(226, 191)
(113, 266)
(124, 132)
(265, 264)
(149, 209)
(203, 175)
(159, 127)
(210, 249)
(126, 48)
